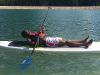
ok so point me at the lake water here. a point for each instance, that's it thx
(69, 24)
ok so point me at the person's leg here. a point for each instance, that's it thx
(79, 41)
(61, 44)
(74, 44)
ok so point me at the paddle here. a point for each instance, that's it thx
(28, 60)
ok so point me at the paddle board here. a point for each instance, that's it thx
(22, 45)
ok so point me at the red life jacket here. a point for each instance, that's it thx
(34, 36)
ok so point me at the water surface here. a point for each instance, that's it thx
(69, 24)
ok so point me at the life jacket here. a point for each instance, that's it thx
(33, 33)
(34, 36)
(36, 33)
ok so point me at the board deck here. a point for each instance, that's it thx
(20, 45)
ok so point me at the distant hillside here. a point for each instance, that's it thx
(50, 2)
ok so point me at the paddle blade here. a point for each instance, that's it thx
(26, 62)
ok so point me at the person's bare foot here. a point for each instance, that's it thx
(85, 40)
(88, 43)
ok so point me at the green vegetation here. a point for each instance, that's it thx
(51, 2)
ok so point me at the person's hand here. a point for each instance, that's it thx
(42, 28)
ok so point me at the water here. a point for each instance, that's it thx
(70, 24)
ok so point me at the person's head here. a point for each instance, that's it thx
(25, 33)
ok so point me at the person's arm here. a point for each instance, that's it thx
(41, 32)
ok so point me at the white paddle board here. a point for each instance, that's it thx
(94, 47)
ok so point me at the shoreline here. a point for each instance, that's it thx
(52, 7)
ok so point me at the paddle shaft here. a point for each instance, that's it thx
(37, 42)
(42, 24)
